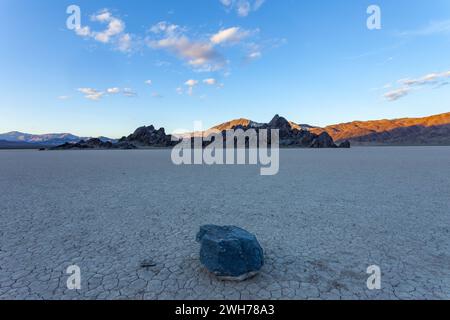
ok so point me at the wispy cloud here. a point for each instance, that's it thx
(436, 80)
(96, 95)
(128, 92)
(113, 90)
(397, 94)
(201, 55)
(242, 7)
(232, 35)
(191, 83)
(200, 52)
(91, 93)
(210, 81)
(114, 33)
(254, 52)
(433, 28)
(157, 95)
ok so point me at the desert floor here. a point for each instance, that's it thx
(323, 220)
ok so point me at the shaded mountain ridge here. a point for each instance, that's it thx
(432, 130)
(50, 139)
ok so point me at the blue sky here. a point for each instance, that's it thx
(313, 62)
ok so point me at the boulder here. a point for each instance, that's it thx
(229, 252)
(324, 140)
(346, 144)
(150, 137)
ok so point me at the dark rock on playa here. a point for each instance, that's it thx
(150, 137)
(291, 136)
(94, 143)
(346, 144)
(229, 252)
(124, 146)
(324, 140)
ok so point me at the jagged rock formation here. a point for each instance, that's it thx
(290, 135)
(94, 143)
(149, 137)
(345, 144)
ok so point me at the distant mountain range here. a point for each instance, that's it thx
(19, 145)
(433, 130)
(17, 139)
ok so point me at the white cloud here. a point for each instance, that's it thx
(114, 32)
(437, 79)
(254, 52)
(231, 35)
(128, 92)
(242, 7)
(115, 27)
(63, 97)
(397, 94)
(165, 27)
(124, 43)
(226, 3)
(113, 90)
(201, 55)
(210, 81)
(198, 54)
(179, 90)
(91, 94)
(191, 84)
(95, 95)
(148, 82)
(83, 31)
(431, 78)
(102, 16)
(254, 55)
(157, 95)
(257, 4)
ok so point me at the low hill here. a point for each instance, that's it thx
(433, 130)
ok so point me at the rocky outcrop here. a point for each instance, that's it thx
(94, 143)
(149, 137)
(323, 141)
(230, 253)
(345, 144)
(291, 136)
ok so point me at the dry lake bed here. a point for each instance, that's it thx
(323, 220)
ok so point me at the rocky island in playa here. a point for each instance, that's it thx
(291, 136)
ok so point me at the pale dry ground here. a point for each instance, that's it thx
(322, 220)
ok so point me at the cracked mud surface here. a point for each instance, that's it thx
(128, 219)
